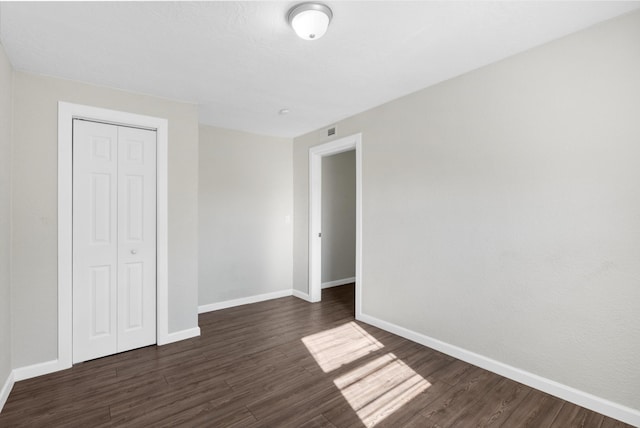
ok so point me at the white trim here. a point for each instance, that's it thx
(315, 225)
(180, 335)
(316, 153)
(244, 301)
(66, 113)
(300, 295)
(6, 390)
(39, 369)
(358, 287)
(338, 282)
(581, 398)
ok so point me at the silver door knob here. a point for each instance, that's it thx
(133, 251)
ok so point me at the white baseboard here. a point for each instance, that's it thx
(244, 301)
(179, 335)
(47, 367)
(38, 369)
(338, 282)
(300, 295)
(6, 389)
(581, 398)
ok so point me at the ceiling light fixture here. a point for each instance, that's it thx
(310, 20)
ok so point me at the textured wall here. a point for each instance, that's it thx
(501, 210)
(339, 216)
(245, 205)
(34, 246)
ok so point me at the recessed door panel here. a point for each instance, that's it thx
(134, 188)
(134, 151)
(114, 239)
(134, 295)
(101, 148)
(100, 215)
(100, 301)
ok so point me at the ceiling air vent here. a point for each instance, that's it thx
(331, 131)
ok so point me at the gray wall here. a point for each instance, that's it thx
(245, 206)
(5, 216)
(34, 206)
(339, 216)
(501, 210)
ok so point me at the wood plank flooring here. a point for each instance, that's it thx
(287, 363)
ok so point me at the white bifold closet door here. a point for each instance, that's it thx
(114, 239)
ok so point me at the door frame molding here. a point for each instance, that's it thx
(66, 113)
(316, 153)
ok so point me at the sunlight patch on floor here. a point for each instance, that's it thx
(377, 389)
(374, 389)
(341, 345)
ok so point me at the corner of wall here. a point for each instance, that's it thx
(6, 390)
(7, 383)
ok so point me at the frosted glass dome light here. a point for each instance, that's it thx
(310, 20)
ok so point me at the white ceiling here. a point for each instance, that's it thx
(242, 63)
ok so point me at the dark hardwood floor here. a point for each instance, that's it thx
(286, 363)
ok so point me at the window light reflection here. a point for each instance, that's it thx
(377, 387)
(341, 345)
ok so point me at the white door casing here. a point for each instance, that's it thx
(316, 153)
(114, 239)
(66, 113)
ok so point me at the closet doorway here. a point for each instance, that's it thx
(67, 115)
(114, 239)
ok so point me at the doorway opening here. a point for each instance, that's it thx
(338, 220)
(316, 154)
